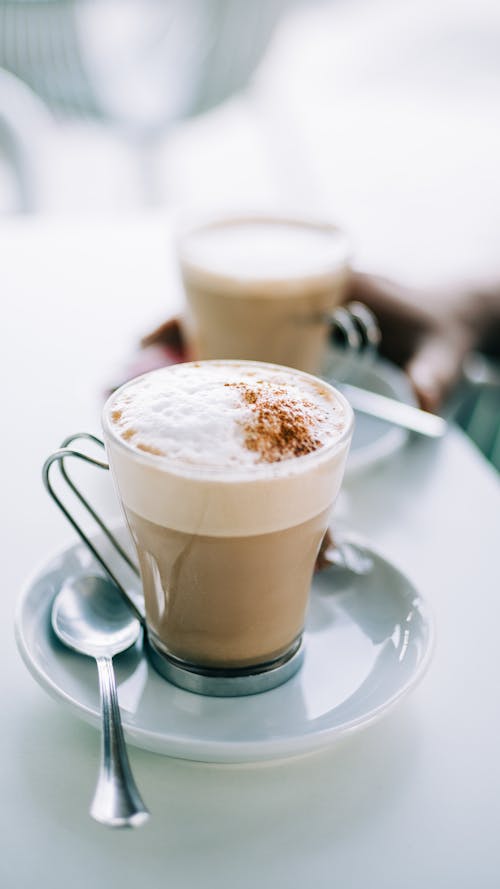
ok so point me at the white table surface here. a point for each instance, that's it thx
(412, 801)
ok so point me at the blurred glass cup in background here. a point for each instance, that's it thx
(263, 288)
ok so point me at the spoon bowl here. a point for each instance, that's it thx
(90, 616)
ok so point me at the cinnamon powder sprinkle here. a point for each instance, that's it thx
(280, 426)
(149, 449)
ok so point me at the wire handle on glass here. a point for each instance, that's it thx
(355, 330)
(59, 457)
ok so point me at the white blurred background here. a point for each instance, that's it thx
(381, 113)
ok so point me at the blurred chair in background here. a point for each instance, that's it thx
(133, 65)
(22, 118)
(477, 408)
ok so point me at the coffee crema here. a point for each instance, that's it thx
(263, 249)
(226, 415)
(206, 478)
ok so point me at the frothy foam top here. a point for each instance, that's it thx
(261, 249)
(225, 415)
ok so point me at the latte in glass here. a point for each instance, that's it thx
(263, 288)
(227, 472)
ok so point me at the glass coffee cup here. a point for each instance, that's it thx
(227, 472)
(265, 288)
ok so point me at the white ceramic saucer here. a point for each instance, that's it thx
(367, 643)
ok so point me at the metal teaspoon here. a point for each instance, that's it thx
(90, 616)
(393, 411)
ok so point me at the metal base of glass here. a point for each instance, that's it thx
(229, 683)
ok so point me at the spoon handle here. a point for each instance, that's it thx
(117, 801)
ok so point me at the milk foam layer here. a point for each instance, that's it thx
(200, 414)
(206, 481)
(265, 249)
